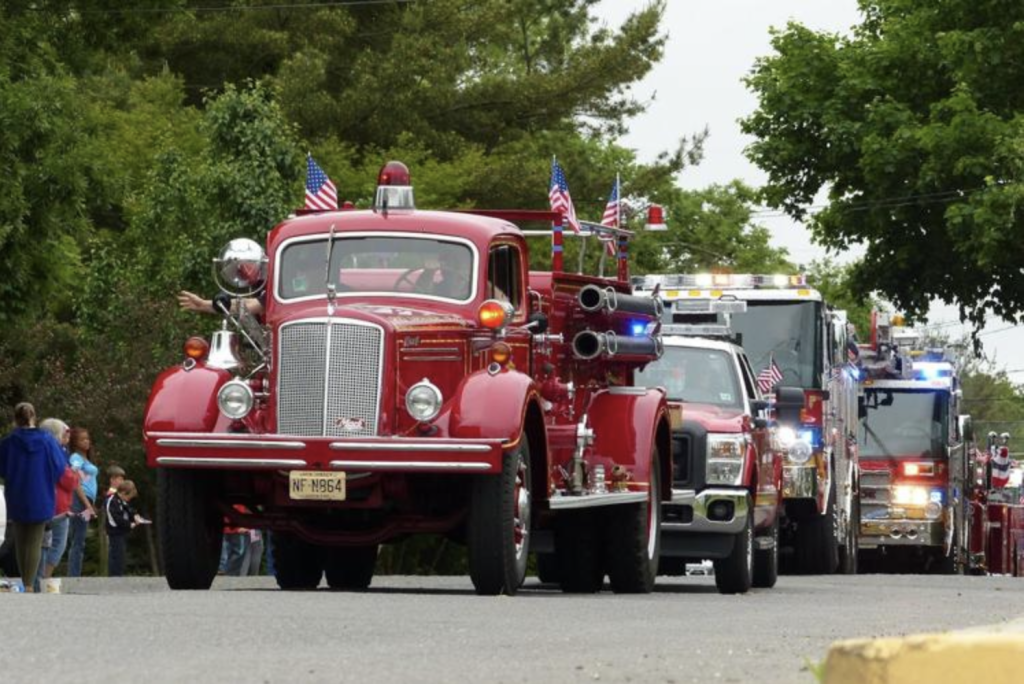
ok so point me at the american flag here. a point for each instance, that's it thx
(769, 377)
(321, 195)
(560, 198)
(611, 216)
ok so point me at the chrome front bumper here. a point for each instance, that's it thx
(699, 503)
(800, 482)
(904, 532)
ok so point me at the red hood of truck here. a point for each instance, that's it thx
(713, 418)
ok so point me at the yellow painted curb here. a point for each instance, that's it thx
(993, 655)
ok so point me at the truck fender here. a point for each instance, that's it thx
(492, 406)
(628, 422)
(185, 400)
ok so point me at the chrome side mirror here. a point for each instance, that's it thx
(241, 268)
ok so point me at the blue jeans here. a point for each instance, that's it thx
(76, 540)
(51, 556)
(238, 559)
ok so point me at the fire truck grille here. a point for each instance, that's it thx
(329, 379)
(876, 493)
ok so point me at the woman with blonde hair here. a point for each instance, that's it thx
(66, 487)
(31, 463)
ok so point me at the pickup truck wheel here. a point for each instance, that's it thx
(578, 546)
(297, 563)
(734, 573)
(817, 551)
(499, 525)
(766, 561)
(191, 528)
(633, 545)
(350, 567)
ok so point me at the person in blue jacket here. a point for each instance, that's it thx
(31, 463)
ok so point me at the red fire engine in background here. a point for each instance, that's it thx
(788, 329)
(409, 374)
(996, 510)
(914, 447)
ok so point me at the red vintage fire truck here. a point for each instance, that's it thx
(408, 374)
(787, 327)
(996, 510)
(913, 454)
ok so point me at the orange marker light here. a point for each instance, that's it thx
(501, 353)
(491, 314)
(196, 348)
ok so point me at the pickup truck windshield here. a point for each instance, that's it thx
(787, 332)
(702, 376)
(904, 424)
(383, 265)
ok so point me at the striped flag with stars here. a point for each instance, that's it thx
(321, 195)
(560, 198)
(769, 377)
(611, 216)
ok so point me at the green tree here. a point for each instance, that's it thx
(833, 281)
(915, 126)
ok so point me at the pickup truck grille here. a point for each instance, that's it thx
(329, 377)
(689, 456)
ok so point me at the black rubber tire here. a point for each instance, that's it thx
(766, 562)
(350, 567)
(817, 550)
(631, 555)
(497, 555)
(735, 573)
(547, 568)
(298, 565)
(848, 552)
(191, 527)
(578, 547)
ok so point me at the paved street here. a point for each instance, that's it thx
(431, 629)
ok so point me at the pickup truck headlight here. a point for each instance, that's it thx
(235, 399)
(726, 454)
(423, 400)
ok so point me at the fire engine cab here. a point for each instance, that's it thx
(791, 336)
(408, 374)
(913, 455)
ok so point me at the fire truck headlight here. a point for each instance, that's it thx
(799, 452)
(909, 495)
(423, 400)
(796, 446)
(235, 399)
(726, 455)
(933, 510)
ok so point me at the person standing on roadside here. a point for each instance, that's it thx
(66, 487)
(121, 519)
(83, 505)
(31, 463)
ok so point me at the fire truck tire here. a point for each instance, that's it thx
(578, 546)
(817, 550)
(633, 544)
(734, 573)
(350, 567)
(547, 568)
(499, 525)
(766, 562)
(297, 563)
(191, 528)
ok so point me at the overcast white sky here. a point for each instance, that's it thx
(698, 83)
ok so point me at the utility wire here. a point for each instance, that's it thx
(235, 8)
(881, 203)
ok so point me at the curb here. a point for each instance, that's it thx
(993, 654)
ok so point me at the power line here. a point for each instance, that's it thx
(881, 203)
(236, 8)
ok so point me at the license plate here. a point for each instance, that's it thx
(315, 485)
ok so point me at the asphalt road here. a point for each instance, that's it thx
(434, 629)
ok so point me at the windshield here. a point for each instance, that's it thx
(415, 266)
(787, 332)
(702, 376)
(904, 424)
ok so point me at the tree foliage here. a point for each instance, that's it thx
(915, 126)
